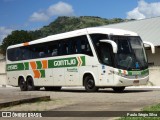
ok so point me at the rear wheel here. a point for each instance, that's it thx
(22, 84)
(89, 84)
(52, 88)
(118, 89)
(30, 84)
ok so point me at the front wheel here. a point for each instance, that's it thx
(89, 84)
(118, 89)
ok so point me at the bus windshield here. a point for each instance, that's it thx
(131, 54)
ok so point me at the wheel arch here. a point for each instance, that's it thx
(89, 73)
(28, 77)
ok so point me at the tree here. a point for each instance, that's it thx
(15, 37)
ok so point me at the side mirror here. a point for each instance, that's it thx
(114, 45)
(151, 45)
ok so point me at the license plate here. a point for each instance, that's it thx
(136, 82)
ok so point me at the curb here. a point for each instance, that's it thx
(24, 100)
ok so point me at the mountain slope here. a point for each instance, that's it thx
(65, 24)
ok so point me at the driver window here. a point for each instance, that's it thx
(105, 53)
(103, 50)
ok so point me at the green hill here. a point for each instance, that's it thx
(60, 25)
(65, 24)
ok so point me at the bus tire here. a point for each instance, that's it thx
(22, 84)
(30, 84)
(52, 88)
(118, 89)
(89, 84)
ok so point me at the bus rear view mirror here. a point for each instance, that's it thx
(114, 45)
(151, 45)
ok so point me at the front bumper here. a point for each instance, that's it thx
(123, 81)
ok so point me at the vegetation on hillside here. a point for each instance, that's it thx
(60, 25)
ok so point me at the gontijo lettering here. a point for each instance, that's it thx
(65, 62)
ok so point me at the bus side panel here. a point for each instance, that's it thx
(41, 77)
(72, 76)
(58, 76)
(106, 76)
(12, 78)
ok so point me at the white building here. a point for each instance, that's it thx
(149, 30)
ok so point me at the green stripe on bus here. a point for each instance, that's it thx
(26, 64)
(55, 63)
(15, 67)
(42, 73)
(83, 60)
(39, 64)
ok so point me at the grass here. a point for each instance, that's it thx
(150, 109)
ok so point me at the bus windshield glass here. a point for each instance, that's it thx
(131, 54)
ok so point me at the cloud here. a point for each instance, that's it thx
(37, 16)
(144, 10)
(4, 32)
(58, 9)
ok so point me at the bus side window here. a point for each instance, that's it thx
(23, 53)
(32, 51)
(65, 48)
(41, 54)
(85, 47)
(36, 53)
(11, 54)
(17, 54)
(78, 46)
(54, 51)
(73, 49)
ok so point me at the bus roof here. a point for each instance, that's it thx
(92, 30)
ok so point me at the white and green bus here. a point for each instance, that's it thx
(92, 57)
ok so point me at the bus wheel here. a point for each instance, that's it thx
(30, 84)
(22, 84)
(52, 88)
(118, 89)
(89, 84)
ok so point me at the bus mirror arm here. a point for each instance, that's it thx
(114, 45)
(151, 45)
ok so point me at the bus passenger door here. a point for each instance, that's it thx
(106, 68)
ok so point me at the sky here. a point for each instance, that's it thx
(34, 14)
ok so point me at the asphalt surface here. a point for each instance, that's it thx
(76, 99)
(9, 98)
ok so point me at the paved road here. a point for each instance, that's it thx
(76, 99)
